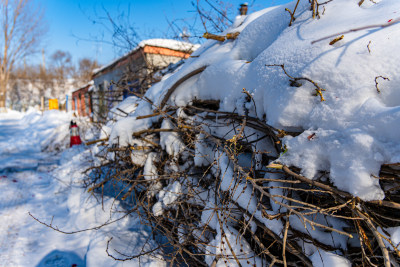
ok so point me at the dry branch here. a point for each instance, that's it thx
(96, 141)
(337, 39)
(221, 38)
(55, 228)
(294, 80)
(179, 82)
(315, 183)
(181, 222)
(292, 18)
(376, 82)
(388, 24)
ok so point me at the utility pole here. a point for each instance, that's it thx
(43, 60)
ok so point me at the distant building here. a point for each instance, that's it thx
(29, 92)
(134, 72)
(82, 100)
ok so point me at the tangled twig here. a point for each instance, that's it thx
(376, 82)
(294, 80)
(212, 196)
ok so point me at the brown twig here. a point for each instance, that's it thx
(96, 141)
(179, 82)
(318, 89)
(337, 39)
(376, 82)
(292, 18)
(369, 50)
(384, 25)
(55, 228)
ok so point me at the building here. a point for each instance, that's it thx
(82, 100)
(25, 92)
(134, 72)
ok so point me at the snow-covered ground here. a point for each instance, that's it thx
(49, 186)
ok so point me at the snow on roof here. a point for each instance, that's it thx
(91, 85)
(170, 43)
(165, 43)
(96, 70)
(88, 84)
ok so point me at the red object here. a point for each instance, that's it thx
(74, 134)
(311, 136)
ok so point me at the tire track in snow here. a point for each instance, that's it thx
(11, 198)
(16, 197)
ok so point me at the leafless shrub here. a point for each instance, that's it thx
(227, 203)
(295, 197)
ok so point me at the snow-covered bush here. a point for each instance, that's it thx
(271, 149)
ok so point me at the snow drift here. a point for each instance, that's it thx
(341, 135)
(355, 128)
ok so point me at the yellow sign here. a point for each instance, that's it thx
(53, 103)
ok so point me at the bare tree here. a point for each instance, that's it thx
(22, 29)
(27, 84)
(117, 29)
(84, 72)
(61, 64)
(208, 16)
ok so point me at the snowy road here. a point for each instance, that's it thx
(26, 185)
(48, 185)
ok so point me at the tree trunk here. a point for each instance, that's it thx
(3, 91)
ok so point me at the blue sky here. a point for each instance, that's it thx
(71, 22)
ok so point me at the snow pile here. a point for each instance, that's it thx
(46, 132)
(122, 109)
(355, 128)
(335, 108)
(51, 127)
(322, 258)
